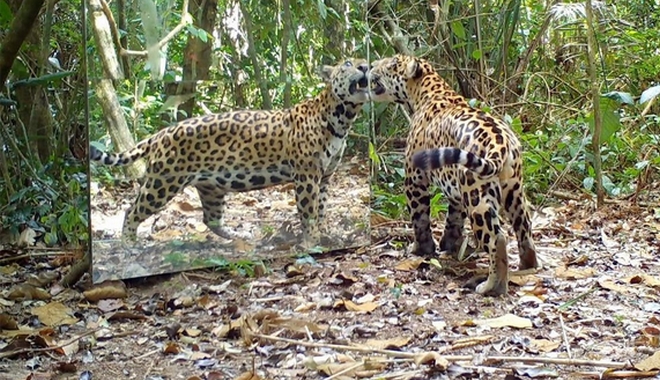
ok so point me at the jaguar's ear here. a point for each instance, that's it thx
(414, 69)
(325, 72)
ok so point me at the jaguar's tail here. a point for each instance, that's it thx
(119, 159)
(431, 159)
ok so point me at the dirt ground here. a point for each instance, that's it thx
(367, 313)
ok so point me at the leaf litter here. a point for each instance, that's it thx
(591, 312)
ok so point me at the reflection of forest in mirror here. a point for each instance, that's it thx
(238, 65)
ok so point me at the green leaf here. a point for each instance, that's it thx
(649, 94)
(373, 155)
(40, 81)
(458, 29)
(611, 119)
(5, 12)
(621, 97)
(588, 183)
(323, 11)
(476, 54)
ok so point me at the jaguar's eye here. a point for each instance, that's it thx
(348, 63)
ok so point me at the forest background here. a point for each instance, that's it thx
(530, 62)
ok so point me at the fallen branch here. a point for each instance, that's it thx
(618, 374)
(46, 349)
(453, 358)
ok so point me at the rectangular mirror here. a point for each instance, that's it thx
(222, 187)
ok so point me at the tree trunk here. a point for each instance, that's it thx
(252, 52)
(117, 127)
(595, 98)
(103, 39)
(198, 53)
(333, 32)
(285, 76)
(20, 28)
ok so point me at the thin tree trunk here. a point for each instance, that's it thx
(20, 28)
(595, 98)
(286, 36)
(197, 64)
(117, 127)
(123, 40)
(252, 52)
(103, 39)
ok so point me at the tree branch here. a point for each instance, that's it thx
(18, 31)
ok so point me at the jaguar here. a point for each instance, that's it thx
(245, 150)
(474, 158)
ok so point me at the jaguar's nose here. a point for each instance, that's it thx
(363, 67)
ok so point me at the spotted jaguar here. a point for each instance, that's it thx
(474, 158)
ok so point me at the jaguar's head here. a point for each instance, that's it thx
(393, 78)
(348, 80)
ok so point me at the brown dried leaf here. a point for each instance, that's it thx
(107, 305)
(507, 320)
(106, 290)
(124, 314)
(295, 324)
(652, 362)
(352, 306)
(610, 284)
(28, 292)
(7, 322)
(432, 358)
(171, 348)
(54, 314)
(544, 345)
(248, 376)
(409, 265)
(385, 344)
(574, 273)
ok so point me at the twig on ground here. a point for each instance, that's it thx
(453, 358)
(46, 349)
(346, 370)
(30, 255)
(618, 374)
(564, 336)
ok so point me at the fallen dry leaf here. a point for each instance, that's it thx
(248, 376)
(27, 292)
(106, 290)
(574, 273)
(7, 322)
(409, 264)
(545, 345)
(652, 362)
(352, 306)
(386, 344)
(610, 284)
(433, 358)
(54, 314)
(507, 320)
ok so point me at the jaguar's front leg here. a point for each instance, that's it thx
(307, 200)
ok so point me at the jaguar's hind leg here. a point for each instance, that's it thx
(491, 238)
(517, 211)
(452, 237)
(154, 194)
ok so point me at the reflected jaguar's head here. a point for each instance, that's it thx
(348, 80)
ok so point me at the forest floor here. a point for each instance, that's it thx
(592, 311)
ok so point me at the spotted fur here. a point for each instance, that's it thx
(473, 157)
(248, 150)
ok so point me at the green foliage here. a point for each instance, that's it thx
(55, 206)
(244, 267)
